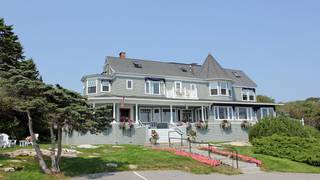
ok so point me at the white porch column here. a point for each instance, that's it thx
(202, 114)
(114, 112)
(136, 120)
(171, 117)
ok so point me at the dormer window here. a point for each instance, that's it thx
(248, 94)
(91, 86)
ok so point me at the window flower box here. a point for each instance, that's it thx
(225, 124)
(201, 125)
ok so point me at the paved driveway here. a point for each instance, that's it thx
(177, 175)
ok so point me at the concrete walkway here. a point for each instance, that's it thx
(178, 175)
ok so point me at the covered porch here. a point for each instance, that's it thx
(155, 113)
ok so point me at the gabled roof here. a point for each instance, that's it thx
(211, 69)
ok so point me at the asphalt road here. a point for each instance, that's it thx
(177, 175)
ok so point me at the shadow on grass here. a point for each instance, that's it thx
(82, 166)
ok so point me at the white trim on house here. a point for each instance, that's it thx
(151, 89)
(216, 113)
(249, 113)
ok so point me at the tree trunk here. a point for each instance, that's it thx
(36, 147)
(58, 157)
(53, 150)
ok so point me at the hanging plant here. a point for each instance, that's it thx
(126, 125)
(245, 125)
(225, 124)
(201, 125)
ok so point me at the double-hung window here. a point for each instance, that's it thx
(152, 87)
(220, 88)
(178, 86)
(214, 88)
(105, 86)
(129, 84)
(224, 88)
(244, 113)
(92, 86)
(223, 112)
(248, 94)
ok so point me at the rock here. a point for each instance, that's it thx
(133, 166)
(113, 165)
(87, 146)
(15, 161)
(30, 152)
(117, 146)
(8, 169)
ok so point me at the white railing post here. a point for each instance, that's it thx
(171, 116)
(114, 112)
(136, 119)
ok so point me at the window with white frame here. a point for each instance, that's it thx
(152, 87)
(214, 89)
(105, 86)
(145, 114)
(244, 113)
(129, 84)
(223, 112)
(92, 86)
(220, 88)
(178, 86)
(266, 112)
(248, 94)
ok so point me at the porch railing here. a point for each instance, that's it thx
(183, 93)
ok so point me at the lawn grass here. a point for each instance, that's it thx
(270, 163)
(94, 161)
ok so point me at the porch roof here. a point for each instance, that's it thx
(173, 101)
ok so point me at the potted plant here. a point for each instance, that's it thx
(201, 125)
(192, 135)
(245, 124)
(154, 137)
(126, 124)
(225, 124)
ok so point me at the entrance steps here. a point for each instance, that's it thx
(164, 135)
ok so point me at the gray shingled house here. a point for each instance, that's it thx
(168, 96)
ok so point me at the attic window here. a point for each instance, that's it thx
(137, 65)
(236, 74)
(183, 69)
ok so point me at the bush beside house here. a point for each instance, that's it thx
(298, 149)
(286, 138)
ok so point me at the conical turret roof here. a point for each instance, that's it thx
(211, 69)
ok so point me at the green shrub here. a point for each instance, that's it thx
(283, 126)
(298, 149)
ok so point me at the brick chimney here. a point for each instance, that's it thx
(122, 55)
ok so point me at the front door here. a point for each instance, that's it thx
(124, 114)
(156, 115)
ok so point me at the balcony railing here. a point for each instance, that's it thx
(183, 93)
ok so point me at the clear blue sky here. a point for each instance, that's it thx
(277, 43)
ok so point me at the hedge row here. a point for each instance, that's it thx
(283, 126)
(298, 149)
